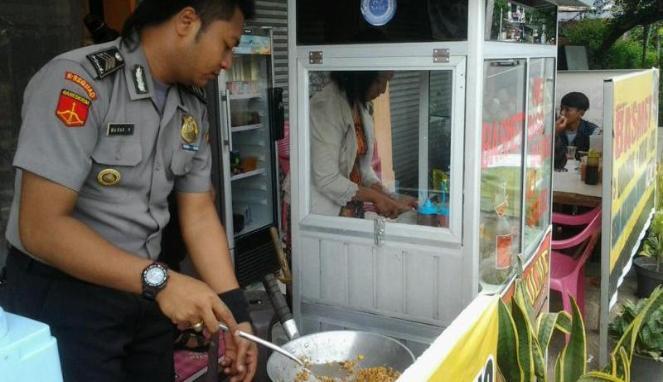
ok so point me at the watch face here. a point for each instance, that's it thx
(155, 276)
(378, 12)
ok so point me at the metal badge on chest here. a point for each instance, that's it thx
(189, 133)
(109, 177)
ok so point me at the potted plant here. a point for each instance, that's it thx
(523, 343)
(648, 265)
(647, 361)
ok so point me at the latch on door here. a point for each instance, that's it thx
(315, 57)
(379, 229)
(440, 56)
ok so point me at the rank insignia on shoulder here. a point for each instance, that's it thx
(72, 109)
(106, 62)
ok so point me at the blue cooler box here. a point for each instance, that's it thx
(28, 352)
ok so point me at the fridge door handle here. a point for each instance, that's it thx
(277, 113)
(228, 138)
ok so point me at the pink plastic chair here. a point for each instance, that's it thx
(567, 272)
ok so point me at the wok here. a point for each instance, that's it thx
(325, 349)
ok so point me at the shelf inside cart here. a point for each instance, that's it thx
(245, 96)
(237, 129)
(248, 174)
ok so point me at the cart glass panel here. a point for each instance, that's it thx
(538, 175)
(387, 155)
(354, 21)
(501, 169)
(526, 21)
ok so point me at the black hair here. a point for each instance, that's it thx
(354, 84)
(577, 100)
(155, 12)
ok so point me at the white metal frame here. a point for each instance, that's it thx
(467, 56)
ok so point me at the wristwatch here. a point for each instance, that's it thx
(155, 277)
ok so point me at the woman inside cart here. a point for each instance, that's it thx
(342, 143)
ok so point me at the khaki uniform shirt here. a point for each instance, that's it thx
(90, 124)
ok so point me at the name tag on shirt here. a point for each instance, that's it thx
(189, 147)
(117, 129)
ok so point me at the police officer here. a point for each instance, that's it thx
(108, 131)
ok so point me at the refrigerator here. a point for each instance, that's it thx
(246, 119)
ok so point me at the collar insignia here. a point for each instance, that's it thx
(140, 81)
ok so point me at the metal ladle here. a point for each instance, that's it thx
(272, 346)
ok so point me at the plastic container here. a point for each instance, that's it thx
(443, 216)
(28, 352)
(427, 214)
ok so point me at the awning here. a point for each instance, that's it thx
(574, 5)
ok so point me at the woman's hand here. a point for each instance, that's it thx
(409, 201)
(387, 207)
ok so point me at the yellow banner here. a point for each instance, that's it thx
(634, 152)
(473, 358)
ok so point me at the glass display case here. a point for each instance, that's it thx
(460, 129)
(246, 128)
(501, 167)
(538, 162)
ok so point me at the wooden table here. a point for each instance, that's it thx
(568, 188)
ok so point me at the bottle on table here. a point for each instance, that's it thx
(592, 169)
(503, 232)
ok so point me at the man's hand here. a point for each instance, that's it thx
(240, 359)
(560, 124)
(187, 301)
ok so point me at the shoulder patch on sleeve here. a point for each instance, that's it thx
(106, 62)
(72, 109)
(82, 82)
(200, 93)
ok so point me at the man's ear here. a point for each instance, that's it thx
(186, 22)
(582, 113)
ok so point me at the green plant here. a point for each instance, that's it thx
(653, 245)
(627, 343)
(523, 344)
(659, 180)
(649, 341)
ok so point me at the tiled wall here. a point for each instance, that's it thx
(31, 33)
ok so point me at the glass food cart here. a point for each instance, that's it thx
(464, 126)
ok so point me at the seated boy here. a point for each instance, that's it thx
(570, 128)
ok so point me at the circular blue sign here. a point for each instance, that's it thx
(378, 12)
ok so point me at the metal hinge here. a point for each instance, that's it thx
(440, 56)
(315, 57)
(379, 229)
